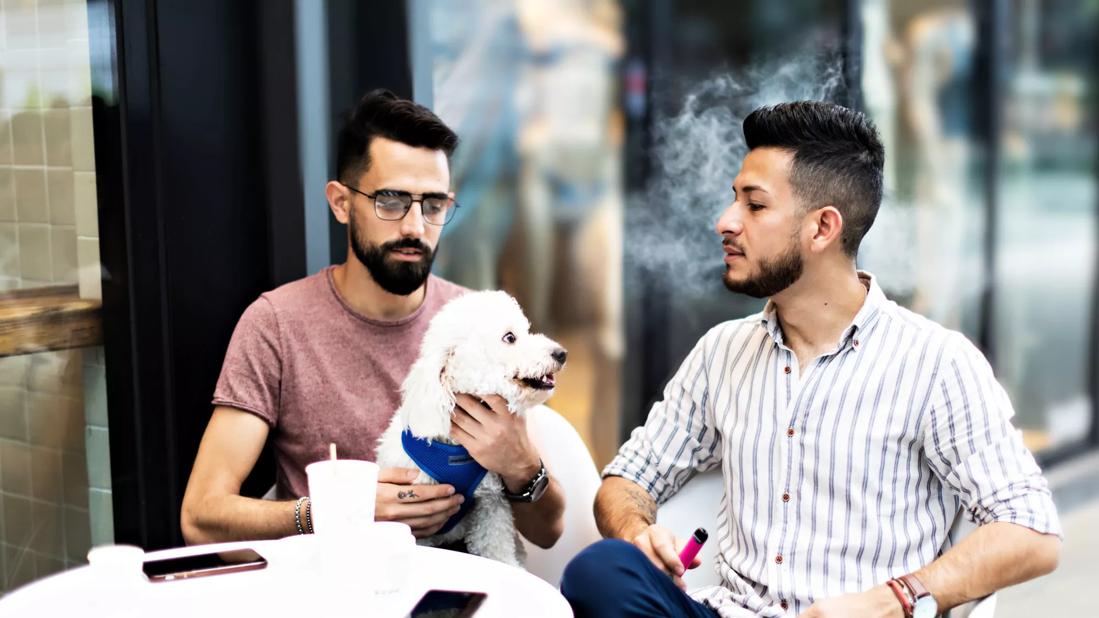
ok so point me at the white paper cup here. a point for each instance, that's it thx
(341, 495)
(389, 545)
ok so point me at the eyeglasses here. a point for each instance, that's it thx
(391, 205)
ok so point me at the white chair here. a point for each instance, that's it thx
(566, 459)
(697, 503)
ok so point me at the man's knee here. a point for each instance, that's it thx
(599, 564)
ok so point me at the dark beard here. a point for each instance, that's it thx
(774, 275)
(400, 278)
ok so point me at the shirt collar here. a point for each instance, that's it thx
(864, 319)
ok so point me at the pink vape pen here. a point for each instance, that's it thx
(693, 545)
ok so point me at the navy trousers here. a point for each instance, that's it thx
(612, 579)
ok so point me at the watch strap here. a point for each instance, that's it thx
(902, 594)
(915, 586)
(527, 493)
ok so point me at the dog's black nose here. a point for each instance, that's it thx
(559, 355)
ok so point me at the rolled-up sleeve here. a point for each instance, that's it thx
(679, 437)
(974, 449)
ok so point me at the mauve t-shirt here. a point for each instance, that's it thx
(319, 372)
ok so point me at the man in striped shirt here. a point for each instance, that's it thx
(850, 432)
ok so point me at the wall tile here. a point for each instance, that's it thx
(26, 138)
(9, 250)
(97, 441)
(87, 258)
(63, 246)
(13, 418)
(30, 195)
(58, 372)
(18, 521)
(13, 370)
(80, 74)
(83, 144)
(34, 252)
(55, 421)
(58, 137)
(21, 83)
(101, 513)
(49, 533)
(46, 479)
(20, 27)
(78, 535)
(7, 194)
(15, 468)
(74, 469)
(95, 395)
(85, 205)
(19, 564)
(5, 136)
(47, 565)
(59, 192)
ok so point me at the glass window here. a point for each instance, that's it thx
(55, 482)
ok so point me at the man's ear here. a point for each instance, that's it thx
(827, 228)
(339, 200)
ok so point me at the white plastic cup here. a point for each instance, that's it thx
(341, 495)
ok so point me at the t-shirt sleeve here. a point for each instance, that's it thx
(251, 376)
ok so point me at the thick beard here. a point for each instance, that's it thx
(774, 275)
(400, 278)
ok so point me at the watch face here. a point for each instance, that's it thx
(925, 607)
(539, 488)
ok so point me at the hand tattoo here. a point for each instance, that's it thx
(401, 495)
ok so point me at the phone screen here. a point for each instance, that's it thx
(447, 604)
(201, 565)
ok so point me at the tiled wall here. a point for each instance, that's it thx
(55, 499)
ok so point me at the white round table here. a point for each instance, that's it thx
(289, 586)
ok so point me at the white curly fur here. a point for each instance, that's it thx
(464, 351)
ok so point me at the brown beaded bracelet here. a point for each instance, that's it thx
(297, 514)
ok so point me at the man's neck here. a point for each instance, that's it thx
(816, 310)
(364, 295)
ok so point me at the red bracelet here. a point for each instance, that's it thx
(902, 595)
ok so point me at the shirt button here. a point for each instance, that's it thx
(790, 432)
(856, 343)
(784, 605)
(787, 369)
(778, 559)
(785, 497)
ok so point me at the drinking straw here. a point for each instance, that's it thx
(332, 450)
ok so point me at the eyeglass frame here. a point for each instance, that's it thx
(415, 198)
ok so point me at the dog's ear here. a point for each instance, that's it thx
(428, 398)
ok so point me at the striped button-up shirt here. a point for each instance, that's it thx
(845, 475)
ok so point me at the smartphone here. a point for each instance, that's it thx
(447, 604)
(202, 565)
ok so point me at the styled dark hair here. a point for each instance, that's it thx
(382, 113)
(838, 159)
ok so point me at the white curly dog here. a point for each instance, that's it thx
(479, 344)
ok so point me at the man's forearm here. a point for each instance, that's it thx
(542, 522)
(623, 509)
(235, 518)
(992, 557)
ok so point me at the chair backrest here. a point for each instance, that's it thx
(696, 504)
(566, 459)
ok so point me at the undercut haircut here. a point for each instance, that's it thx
(838, 159)
(380, 113)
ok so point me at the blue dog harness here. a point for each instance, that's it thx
(448, 464)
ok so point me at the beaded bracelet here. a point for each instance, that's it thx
(309, 515)
(297, 514)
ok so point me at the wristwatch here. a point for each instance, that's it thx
(923, 603)
(533, 490)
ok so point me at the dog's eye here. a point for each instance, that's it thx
(509, 337)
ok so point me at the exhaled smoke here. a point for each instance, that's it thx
(698, 148)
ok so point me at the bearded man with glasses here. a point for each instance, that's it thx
(321, 359)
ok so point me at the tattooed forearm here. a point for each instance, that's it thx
(404, 495)
(643, 503)
(623, 509)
